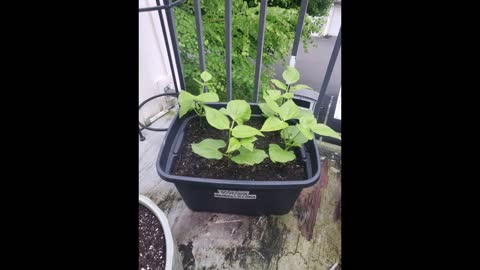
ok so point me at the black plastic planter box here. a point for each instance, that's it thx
(234, 196)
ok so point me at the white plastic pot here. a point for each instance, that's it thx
(173, 261)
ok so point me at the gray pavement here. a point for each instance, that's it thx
(312, 65)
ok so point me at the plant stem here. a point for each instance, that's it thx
(230, 130)
(198, 113)
(287, 91)
(296, 135)
(291, 141)
(198, 109)
(199, 82)
(229, 155)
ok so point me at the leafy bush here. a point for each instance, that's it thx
(314, 8)
(279, 34)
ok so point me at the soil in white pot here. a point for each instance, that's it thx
(151, 241)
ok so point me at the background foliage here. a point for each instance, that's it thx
(280, 27)
(314, 8)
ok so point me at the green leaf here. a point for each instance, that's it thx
(249, 157)
(324, 130)
(277, 154)
(308, 121)
(274, 94)
(208, 148)
(206, 76)
(233, 144)
(293, 133)
(244, 131)
(272, 104)
(216, 119)
(223, 110)
(288, 132)
(207, 97)
(185, 100)
(288, 95)
(239, 110)
(248, 142)
(305, 112)
(279, 84)
(300, 87)
(273, 124)
(305, 131)
(266, 109)
(289, 110)
(291, 75)
(306, 124)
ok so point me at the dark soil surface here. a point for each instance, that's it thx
(191, 164)
(151, 241)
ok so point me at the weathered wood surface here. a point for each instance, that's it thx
(306, 238)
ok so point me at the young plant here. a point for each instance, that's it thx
(240, 136)
(206, 81)
(286, 89)
(279, 108)
(189, 102)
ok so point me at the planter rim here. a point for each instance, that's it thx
(145, 201)
(253, 184)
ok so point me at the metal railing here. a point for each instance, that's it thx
(168, 10)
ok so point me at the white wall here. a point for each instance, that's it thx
(338, 107)
(154, 70)
(334, 21)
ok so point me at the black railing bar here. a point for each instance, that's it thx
(167, 46)
(159, 7)
(328, 73)
(228, 46)
(327, 114)
(298, 32)
(174, 40)
(328, 109)
(260, 41)
(199, 27)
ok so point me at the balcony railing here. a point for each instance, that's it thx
(177, 70)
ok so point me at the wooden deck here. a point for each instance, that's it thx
(306, 238)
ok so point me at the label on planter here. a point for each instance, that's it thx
(234, 194)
